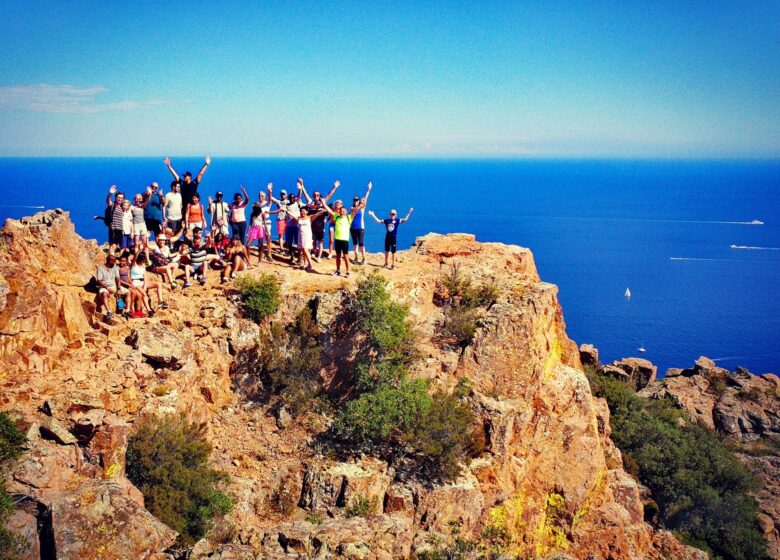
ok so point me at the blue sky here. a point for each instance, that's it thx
(625, 79)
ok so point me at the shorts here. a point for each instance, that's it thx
(358, 235)
(256, 233)
(318, 234)
(198, 268)
(390, 242)
(175, 225)
(281, 226)
(268, 230)
(342, 247)
(122, 290)
(127, 241)
(138, 283)
(193, 225)
(291, 235)
(103, 290)
(114, 236)
(153, 226)
(140, 229)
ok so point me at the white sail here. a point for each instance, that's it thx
(628, 293)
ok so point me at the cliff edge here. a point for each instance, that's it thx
(549, 476)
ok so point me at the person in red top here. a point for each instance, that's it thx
(193, 217)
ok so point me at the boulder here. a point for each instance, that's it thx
(52, 427)
(98, 521)
(589, 355)
(161, 346)
(637, 371)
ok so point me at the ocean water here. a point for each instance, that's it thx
(677, 233)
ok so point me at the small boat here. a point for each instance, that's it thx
(628, 293)
(756, 223)
(642, 349)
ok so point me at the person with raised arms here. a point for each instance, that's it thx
(358, 226)
(238, 215)
(172, 208)
(113, 218)
(341, 222)
(391, 232)
(189, 186)
(316, 202)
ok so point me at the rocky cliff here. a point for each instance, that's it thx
(745, 408)
(549, 476)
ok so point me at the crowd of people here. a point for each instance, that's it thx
(156, 239)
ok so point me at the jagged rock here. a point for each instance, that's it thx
(98, 521)
(107, 446)
(52, 427)
(23, 522)
(283, 418)
(161, 346)
(48, 470)
(589, 355)
(338, 485)
(636, 371)
(204, 550)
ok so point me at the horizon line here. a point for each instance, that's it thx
(505, 157)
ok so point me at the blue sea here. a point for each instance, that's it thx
(677, 233)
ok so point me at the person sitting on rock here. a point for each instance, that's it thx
(198, 266)
(391, 232)
(130, 293)
(107, 279)
(236, 258)
(161, 264)
(138, 277)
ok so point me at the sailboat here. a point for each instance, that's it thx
(628, 294)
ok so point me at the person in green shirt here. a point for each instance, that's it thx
(342, 221)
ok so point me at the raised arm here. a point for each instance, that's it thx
(111, 192)
(167, 162)
(211, 203)
(147, 198)
(377, 220)
(246, 196)
(302, 189)
(329, 210)
(408, 215)
(206, 163)
(336, 185)
(368, 192)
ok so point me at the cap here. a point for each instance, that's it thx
(219, 193)
(283, 191)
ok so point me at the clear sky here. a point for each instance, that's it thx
(668, 79)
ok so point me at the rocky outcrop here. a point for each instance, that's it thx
(746, 409)
(636, 372)
(549, 477)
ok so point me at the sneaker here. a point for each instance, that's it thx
(337, 273)
(138, 315)
(107, 316)
(150, 313)
(232, 275)
(309, 269)
(315, 259)
(126, 314)
(392, 267)
(346, 275)
(187, 284)
(163, 305)
(202, 280)
(363, 261)
(174, 284)
(222, 280)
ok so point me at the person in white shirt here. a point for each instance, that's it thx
(172, 209)
(220, 214)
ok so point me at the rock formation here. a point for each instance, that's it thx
(745, 408)
(549, 477)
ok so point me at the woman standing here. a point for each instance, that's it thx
(193, 217)
(238, 216)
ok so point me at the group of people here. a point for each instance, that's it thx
(165, 233)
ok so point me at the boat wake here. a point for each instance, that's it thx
(20, 206)
(749, 248)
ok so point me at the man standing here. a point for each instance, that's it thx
(358, 226)
(153, 211)
(115, 212)
(219, 210)
(189, 186)
(391, 232)
(315, 207)
(172, 208)
(107, 278)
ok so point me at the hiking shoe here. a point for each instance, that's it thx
(346, 275)
(107, 316)
(187, 284)
(202, 280)
(174, 284)
(150, 313)
(337, 273)
(163, 305)
(232, 275)
(138, 315)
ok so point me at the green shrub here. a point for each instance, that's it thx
(12, 545)
(463, 303)
(460, 324)
(700, 487)
(167, 459)
(361, 506)
(261, 297)
(383, 321)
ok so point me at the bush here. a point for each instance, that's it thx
(361, 506)
(701, 488)
(12, 545)
(261, 297)
(460, 324)
(383, 321)
(462, 302)
(167, 459)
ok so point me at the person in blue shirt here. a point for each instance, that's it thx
(153, 211)
(358, 226)
(391, 232)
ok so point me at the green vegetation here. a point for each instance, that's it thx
(463, 305)
(390, 409)
(383, 321)
(289, 365)
(261, 297)
(167, 459)
(701, 488)
(12, 545)
(361, 506)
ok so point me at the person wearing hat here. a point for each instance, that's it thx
(220, 212)
(281, 216)
(357, 228)
(189, 186)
